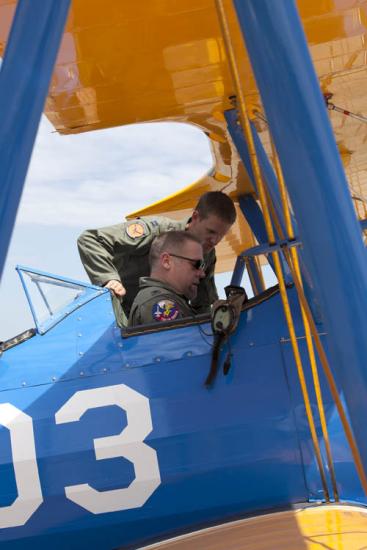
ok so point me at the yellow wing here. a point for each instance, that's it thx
(128, 62)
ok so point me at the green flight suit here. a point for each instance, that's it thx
(121, 252)
(157, 301)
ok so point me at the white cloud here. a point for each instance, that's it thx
(91, 180)
(97, 178)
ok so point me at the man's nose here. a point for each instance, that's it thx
(201, 273)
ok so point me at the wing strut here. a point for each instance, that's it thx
(24, 80)
(328, 227)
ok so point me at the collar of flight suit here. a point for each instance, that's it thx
(149, 282)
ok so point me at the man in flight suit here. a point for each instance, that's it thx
(177, 267)
(117, 256)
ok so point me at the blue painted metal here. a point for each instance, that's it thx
(273, 188)
(24, 80)
(249, 207)
(67, 280)
(252, 213)
(270, 181)
(238, 271)
(237, 274)
(257, 284)
(206, 433)
(238, 138)
(254, 217)
(328, 227)
(267, 248)
(363, 224)
(86, 292)
(241, 447)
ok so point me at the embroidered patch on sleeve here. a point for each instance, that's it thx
(165, 310)
(135, 230)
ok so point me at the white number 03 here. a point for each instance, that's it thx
(129, 443)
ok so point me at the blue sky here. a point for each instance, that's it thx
(91, 180)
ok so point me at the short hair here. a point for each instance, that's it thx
(217, 203)
(168, 242)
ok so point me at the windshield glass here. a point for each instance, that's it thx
(52, 298)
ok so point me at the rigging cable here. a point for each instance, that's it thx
(271, 237)
(293, 264)
(332, 107)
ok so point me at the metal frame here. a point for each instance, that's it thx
(331, 236)
(24, 81)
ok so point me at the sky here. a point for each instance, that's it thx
(86, 181)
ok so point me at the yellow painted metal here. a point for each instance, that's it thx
(126, 62)
(270, 233)
(292, 256)
(123, 62)
(332, 527)
(330, 378)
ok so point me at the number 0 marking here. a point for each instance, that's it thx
(129, 444)
(27, 479)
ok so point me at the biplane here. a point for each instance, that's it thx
(109, 437)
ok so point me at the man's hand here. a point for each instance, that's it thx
(117, 288)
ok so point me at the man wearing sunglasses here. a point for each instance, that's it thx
(117, 256)
(173, 282)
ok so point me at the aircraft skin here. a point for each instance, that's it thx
(111, 441)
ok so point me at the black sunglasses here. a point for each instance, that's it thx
(197, 264)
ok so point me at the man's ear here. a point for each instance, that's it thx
(195, 216)
(165, 260)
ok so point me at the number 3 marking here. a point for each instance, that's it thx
(129, 444)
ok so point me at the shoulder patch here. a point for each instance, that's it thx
(165, 310)
(136, 229)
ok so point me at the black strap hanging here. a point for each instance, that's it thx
(225, 317)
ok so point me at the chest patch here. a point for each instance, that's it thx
(165, 310)
(136, 230)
